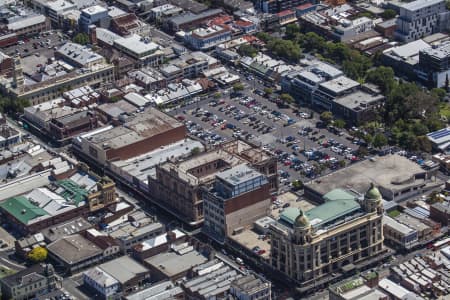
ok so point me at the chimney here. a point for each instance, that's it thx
(93, 34)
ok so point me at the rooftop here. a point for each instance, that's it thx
(358, 99)
(419, 4)
(73, 249)
(142, 126)
(238, 174)
(80, 54)
(136, 44)
(172, 263)
(160, 291)
(123, 269)
(340, 84)
(101, 277)
(411, 222)
(74, 226)
(189, 17)
(403, 229)
(391, 172)
(95, 9)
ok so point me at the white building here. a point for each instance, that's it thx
(348, 29)
(101, 281)
(420, 18)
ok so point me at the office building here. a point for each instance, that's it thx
(128, 24)
(349, 29)
(420, 18)
(178, 185)
(93, 15)
(335, 236)
(434, 66)
(239, 196)
(189, 21)
(276, 6)
(399, 235)
(324, 96)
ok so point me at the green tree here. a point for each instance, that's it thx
(297, 185)
(383, 77)
(292, 31)
(326, 117)
(238, 87)
(286, 98)
(81, 38)
(339, 123)
(379, 140)
(424, 144)
(247, 50)
(389, 14)
(342, 163)
(195, 151)
(38, 254)
(217, 95)
(439, 93)
(268, 91)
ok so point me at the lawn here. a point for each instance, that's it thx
(393, 213)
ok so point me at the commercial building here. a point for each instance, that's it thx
(49, 81)
(127, 24)
(251, 287)
(178, 185)
(420, 18)
(128, 235)
(349, 29)
(75, 252)
(434, 67)
(119, 276)
(30, 282)
(158, 244)
(440, 212)
(161, 290)
(93, 15)
(207, 38)
(28, 25)
(144, 51)
(398, 234)
(362, 287)
(189, 21)
(328, 91)
(161, 13)
(139, 134)
(308, 247)
(396, 176)
(239, 196)
(174, 264)
(276, 6)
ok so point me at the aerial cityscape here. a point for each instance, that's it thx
(225, 149)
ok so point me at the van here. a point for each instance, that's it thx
(239, 261)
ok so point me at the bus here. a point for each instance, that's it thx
(439, 244)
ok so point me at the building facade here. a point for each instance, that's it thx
(418, 19)
(338, 234)
(239, 197)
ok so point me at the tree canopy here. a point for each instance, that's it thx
(389, 13)
(81, 38)
(38, 254)
(247, 50)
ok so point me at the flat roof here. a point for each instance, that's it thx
(419, 4)
(238, 174)
(391, 172)
(358, 99)
(340, 84)
(95, 9)
(143, 125)
(403, 229)
(123, 269)
(411, 222)
(135, 44)
(171, 263)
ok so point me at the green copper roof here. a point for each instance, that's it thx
(373, 193)
(339, 194)
(22, 209)
(290, 214)
(72, 192)
(331, 210)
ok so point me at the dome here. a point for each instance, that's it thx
(373, 193)
(301, 220)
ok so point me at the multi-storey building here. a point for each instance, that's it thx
(276, 6)
(94, 15)
(178, 185)
(337, 235)
(208, 38)
(349, 29)
(420, 18)
(239, 196)
(434, 65)
(328, 91)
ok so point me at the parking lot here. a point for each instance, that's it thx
(303, 150)
(37, 44)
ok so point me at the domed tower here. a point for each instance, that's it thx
(373, 200)
(302, 229)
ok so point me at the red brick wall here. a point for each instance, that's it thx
(247, 199)
(149, 144)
